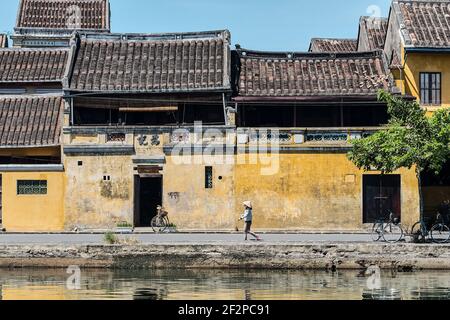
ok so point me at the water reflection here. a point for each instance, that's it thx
(382, 294)
(430, 294)
(228, 285)
(149, 294)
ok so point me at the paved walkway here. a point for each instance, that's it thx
(179, 238)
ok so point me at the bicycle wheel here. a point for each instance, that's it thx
(159, 224)
(392, 233)
(418, 232)
(440, 233)
(167, 223)
(377, 231)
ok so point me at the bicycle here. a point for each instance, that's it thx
(420, 230)
(160, 222)
(389, 229)
(439, 232)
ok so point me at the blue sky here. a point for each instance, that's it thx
(279, 25)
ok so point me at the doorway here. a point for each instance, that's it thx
(148, 195)
(381, 193)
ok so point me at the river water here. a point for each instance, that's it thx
(50, 284)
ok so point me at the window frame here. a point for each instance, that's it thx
(430, 90)
(41, 189)
(209, 177)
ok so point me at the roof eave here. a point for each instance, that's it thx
(426, 49)
(37, 146)
(74, 91)
(37, 81)
(318, 98)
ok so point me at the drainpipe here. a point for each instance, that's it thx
(71, 112)
(224, 108)
(401, 69)
(236, 119)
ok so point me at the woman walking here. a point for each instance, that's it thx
(248, 219)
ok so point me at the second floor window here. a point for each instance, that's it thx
(430, 88)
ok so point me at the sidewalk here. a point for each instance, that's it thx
(182, 238)
(199, 231)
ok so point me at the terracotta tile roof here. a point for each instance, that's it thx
(153, 63)
(32, 65)
(30, 121)
(56, 14)
(265, 74)
(372, 33)
(3, 40)
(426, 23)
(333, 45)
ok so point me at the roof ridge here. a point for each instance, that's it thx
(33, 95)
(294, 55)
(329, 38)
(372, 17)
(214, 34)
(420, 1)
(19, 49)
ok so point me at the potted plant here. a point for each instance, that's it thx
(124, 227)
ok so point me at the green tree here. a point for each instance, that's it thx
(411, 139)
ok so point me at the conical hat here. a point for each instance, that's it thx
(248, 204)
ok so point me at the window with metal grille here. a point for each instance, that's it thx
(430, 88)
(208, 177)
(31, 187)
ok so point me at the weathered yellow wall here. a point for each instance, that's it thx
(190, 204)
(314, 191)
(92, 202)
(310, 191)
(33, 212)
(423, 62)
(307, 191)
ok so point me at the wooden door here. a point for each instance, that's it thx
(381, 194)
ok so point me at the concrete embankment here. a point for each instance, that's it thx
(404, 257)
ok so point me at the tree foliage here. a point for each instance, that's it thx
(410, 139)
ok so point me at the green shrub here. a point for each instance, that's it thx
(111, 238)
(124, 224)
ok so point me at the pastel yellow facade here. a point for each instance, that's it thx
(299, 190)
(33, 212)
(92, 202)
(415, 63)
(314, 191)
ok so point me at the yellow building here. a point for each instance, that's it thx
(184, 121)
(31, 114)
(31, 173)
(176, 132)
(420, 52)
(298, 102)
(418, 48)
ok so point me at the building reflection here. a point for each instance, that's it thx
(220, 285)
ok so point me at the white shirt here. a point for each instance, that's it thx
(248, 215)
